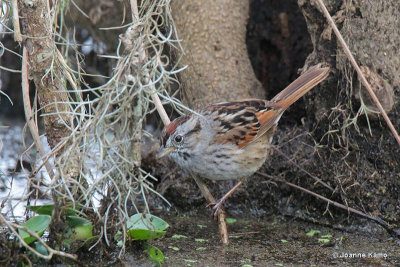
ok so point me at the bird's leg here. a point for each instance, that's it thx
(216, 206)
(220, 214)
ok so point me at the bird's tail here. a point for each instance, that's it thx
(300, 87)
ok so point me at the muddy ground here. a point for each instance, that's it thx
(273, 241)
(193, 240)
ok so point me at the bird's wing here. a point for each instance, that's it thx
(240, 122)
(243, 121)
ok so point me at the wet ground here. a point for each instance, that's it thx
(275, 241)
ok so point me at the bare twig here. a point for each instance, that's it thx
(135, 10)
(45, 161)
(17, 27)
(246, 233)
(336, 204)
(223, 231)
(28, 112)
(302, 169)
(160, 109)
(12, 226)
(358, 70)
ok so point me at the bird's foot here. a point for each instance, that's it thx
(216, 207)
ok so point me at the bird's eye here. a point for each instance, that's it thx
(178, 138)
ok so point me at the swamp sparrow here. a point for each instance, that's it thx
(231, 140)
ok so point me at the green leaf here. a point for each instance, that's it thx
(323, 240)
(145, 226)
(144, 234)
(37, 224)
(77, 221)
(179, 236)
(313, 232)
(42, 210)
(201, 240)
(230, 220)
(284, 241)
(39, 247)
(326, 236)
(81, 228)
(155, 254)
(48, 209)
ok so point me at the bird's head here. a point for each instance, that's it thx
(180, 138)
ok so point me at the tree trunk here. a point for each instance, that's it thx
(213, 37)
(44, 69)
(370, 28)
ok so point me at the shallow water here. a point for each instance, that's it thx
(14, 186)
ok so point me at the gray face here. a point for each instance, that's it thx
(181, 139)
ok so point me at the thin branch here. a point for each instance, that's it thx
(45, 161)
(223, 231)
(17, 27)
(301, 168)
(358, 70)
(28, 112)
(160, 109)
(135, 11)
(384, 224)
(80, 10)
(12, 226)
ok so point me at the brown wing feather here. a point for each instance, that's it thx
(237, 121)
(243, 121)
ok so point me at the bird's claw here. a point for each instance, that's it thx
(216, 207)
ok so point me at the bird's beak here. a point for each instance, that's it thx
(165, 151)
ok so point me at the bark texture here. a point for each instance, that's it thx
(43, 68)
(359, 154)
(213, 37)
(370, 28)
